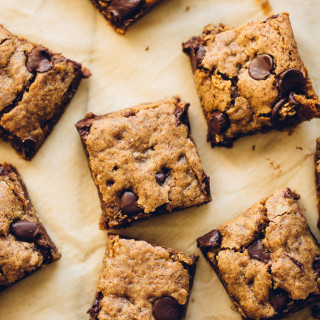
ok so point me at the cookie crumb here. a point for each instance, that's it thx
(299, 148)
(187, 8)
(147, 48)
(253, 147)
(265, 7)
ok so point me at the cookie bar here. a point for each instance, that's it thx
(250, 79)
(143, 161)
(317, 172)
(24, 243)
(36, 86)
(123, 13)
(267, 258)
(142, 281)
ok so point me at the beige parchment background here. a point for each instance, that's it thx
(125, 74)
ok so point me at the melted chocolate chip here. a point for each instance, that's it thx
(277, 107)
(39, 59)
(167, 308)
(261, 66)
(291, 80)
(121, 11)
(292, 100)
(258, 251)
(25, 230)
(296, 262)
(316, 266)
(219, 122)
(211, 240)
(162, 176)
(182, 116)
(278, 299)
(128, 203)
(195, 51)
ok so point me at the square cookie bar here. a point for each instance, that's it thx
(36, 86)
(250, 79)
(123, 13)
(142, 281)
(267, 258)
(143, 161)
(24, 243)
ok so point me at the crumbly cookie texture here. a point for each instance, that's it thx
(24, 243)
(250, 79)
(123, 13)
(36, 86)
(274, 256)
(317, 174)
(142, 281)
(143, 161)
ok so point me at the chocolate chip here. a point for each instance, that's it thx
(219, 122)
(316, 266)
(315, 311)
(258, 251)
(291, 195)
(95, 309)
(261, 66)
(30, 143)
(291, 80)
(121, 11)
(195, 51)
(128, 203)
(296, 262)
(211, 240)
(167, 308)
(39, 59)
(292, 100)
(162, 176)
(25, 230)
(278, 299)
(182, 116)
(277, 107)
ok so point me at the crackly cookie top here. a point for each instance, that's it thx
(143, 161)
(142, 281)
(274, 257)
(34, 85)
(24, 243)
(250, 78)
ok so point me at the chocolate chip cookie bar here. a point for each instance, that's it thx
(24, 243)
(317, 173)
(267, 258)
(123, 13)
(36, 86)
(142, 281)
(143, 161)
(250, 79)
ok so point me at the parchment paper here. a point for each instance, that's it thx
(125, 74)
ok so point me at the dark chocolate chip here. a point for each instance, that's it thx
(182, 116)
(211, 240)
(277, 107)
(199, 53)
(315, 311)
(195, 51)
(278, 299)
(162, 176)
(261, 66)
(123, 10)
(30, 143)
(39, 59)
(316, 266)
(296, 262)
(258, 251)
(167, 308)
(291, 195)
(25, 230)
(292, 100)
(95, 309)
(273, 17)
(128, 203)
(219, 122)
(291, 80)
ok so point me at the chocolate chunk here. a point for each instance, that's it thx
(162, 176)
(261, 66)
(195, 51)
(182, 116)
(39, 59)
(95, 309)
(315, 311)
(211, 240)
(292, 100)
(258, 251)
(278, 299)
(25, 230)
(316, 266)
(291, 195)
(296, 262)
(167, 308)
(291, 80)
(121, 11)
(128, 203)
(219, 122)
(277, 107)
